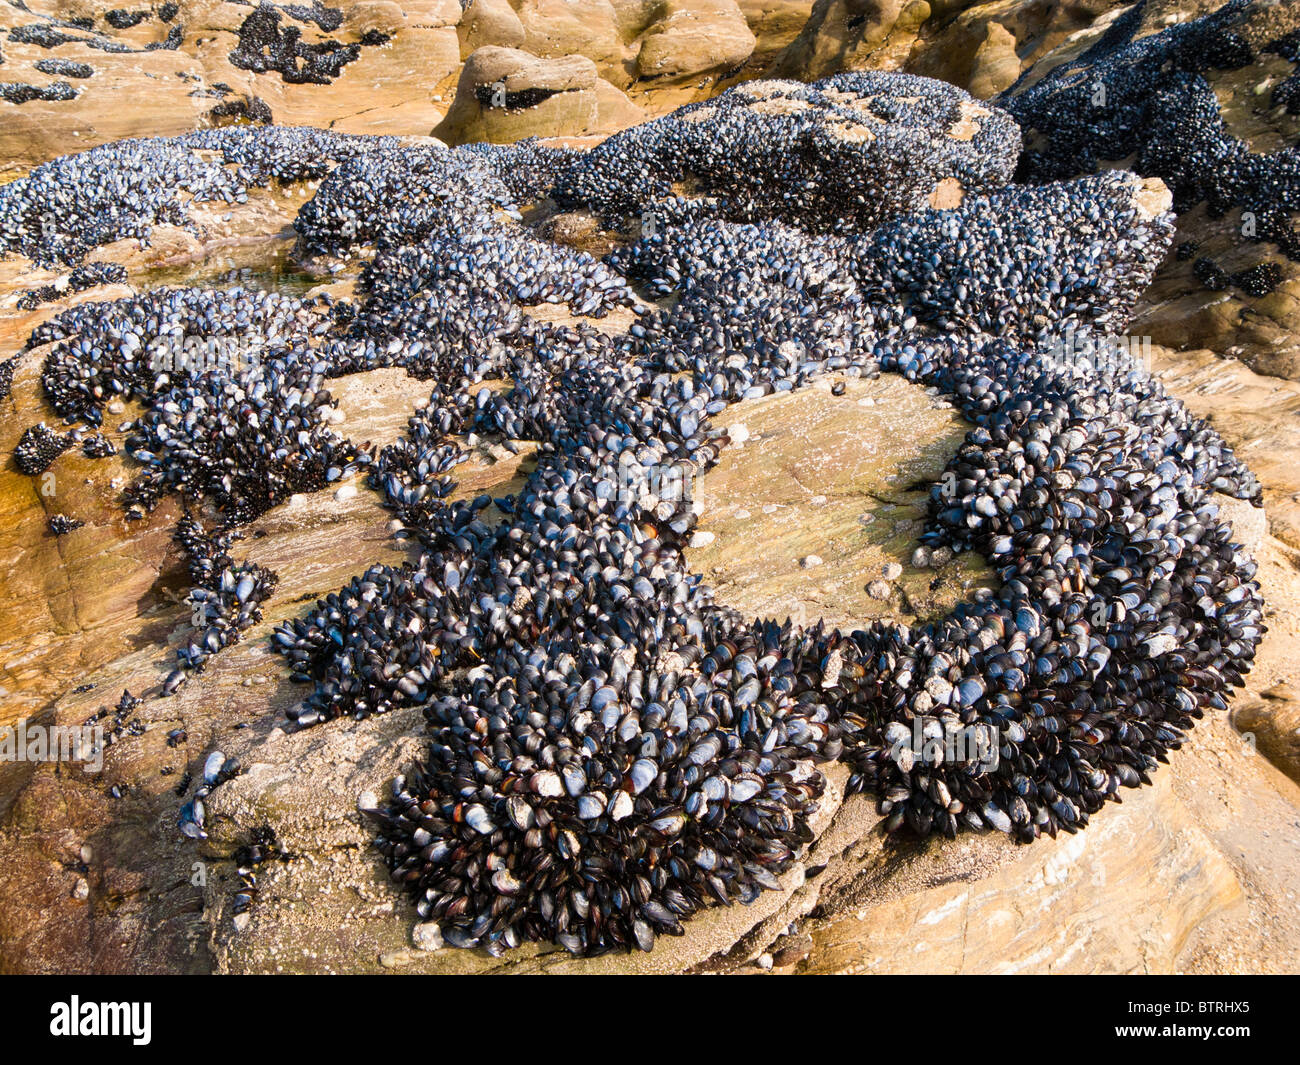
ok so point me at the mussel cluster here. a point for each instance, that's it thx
(224, 599)
(65, 208)
(808, 153)
(610, 748)
(38, 447)
(88, 275)
(1150, 98)
(234, 395)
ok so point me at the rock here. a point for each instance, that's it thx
(700, 538)
(1224, 287)
(814, 440)
(189, 73)
(168, 245)
(597, 30)
(1272, 724)
(996, 65)
(505, 94)
(694, 37)
(791, 948)
(774, 24)
(1249, 524)
(489, 22)
(810, 561)
(1002, 913)
(852, 35)
(963, 40)
(427, 936)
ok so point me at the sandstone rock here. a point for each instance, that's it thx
(996, 65)
(956, 41)
(693, 37)
(173, 90)
(774, 24)
(1037, 909)
(1272, 722)
(505, 94)
(555, 28)
(489, 22)
(814, 438)
(852, 35)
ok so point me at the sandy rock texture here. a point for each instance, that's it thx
(814, 475)
(506, 94)
(367, 67)
(1196, 874)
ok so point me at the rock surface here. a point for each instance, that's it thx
(505, 94)
(1196, 874)
(1215, 130)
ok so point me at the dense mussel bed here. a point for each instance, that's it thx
(1149, 98)
(610, 748)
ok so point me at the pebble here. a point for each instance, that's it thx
(427, 936)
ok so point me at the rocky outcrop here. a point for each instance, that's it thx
(815, 474)
(1206, 105)
(966, 42)
(996, 65)
(694, 37)
(853, 35)
(506, 94)
(211, 61)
